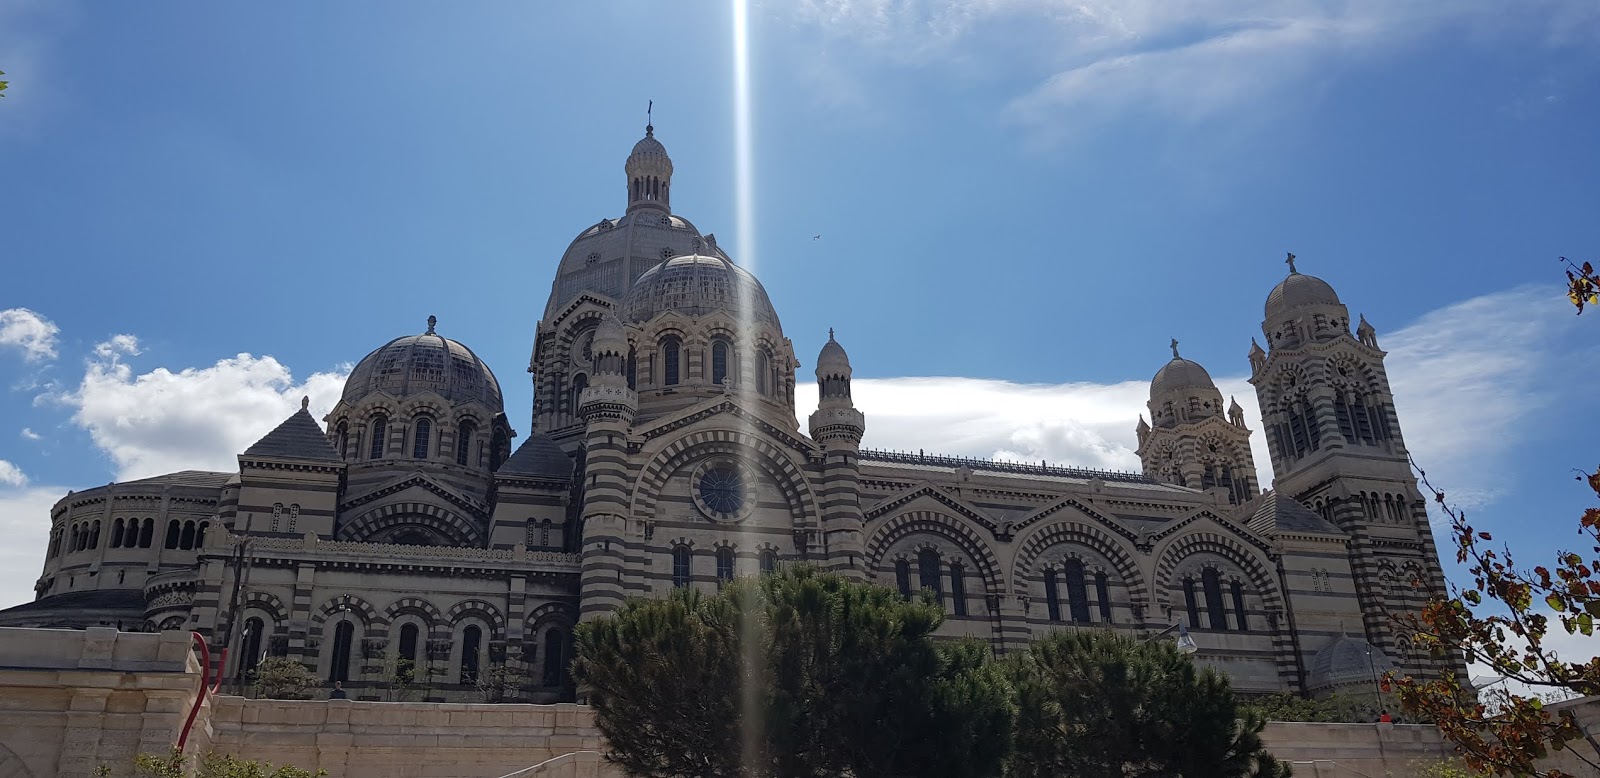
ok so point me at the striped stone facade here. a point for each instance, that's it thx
(666, 451)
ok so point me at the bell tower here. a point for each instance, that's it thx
(1337, 447)
(1192, 443)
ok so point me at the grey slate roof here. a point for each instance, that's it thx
(298, 437)
(202, 478)
(540, 457)
(1273, 512)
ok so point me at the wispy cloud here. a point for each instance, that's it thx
(195, 418)
(1093, 60)
(29, 332)
(28, 434)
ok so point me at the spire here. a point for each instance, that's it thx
(649, 122)
(1290, 263)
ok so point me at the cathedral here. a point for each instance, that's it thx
(665, 450)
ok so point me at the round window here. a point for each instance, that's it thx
(723, 491)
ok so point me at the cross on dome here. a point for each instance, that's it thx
(1290, 263)
(1174, 345)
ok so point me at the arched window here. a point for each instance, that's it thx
(55, 544)
(277, 516)
(671, 352)
(131, 538)
(200, 535)
(343, 636)
(471, 641)
(187, 539)
(116, 534)
(632, 368)
(380, 434)
(253, 627)
(544, 533)
(344, 440)
(420, 438)
(724, 564)
(763, 368)
(294, 515)
(555, 658)
(902, 577)
(408, 643)
(145, 532)
(1216, 613)
(928, 573)
(1052, 598)
(94, 535)
(958, 588)
(1190, 603)
(72, 540)
(1238, 607)
(680, 566)
(768, 561)
(580, 382)
(464, 434)
(719, 361)
(1077, 590)
(1102, 592)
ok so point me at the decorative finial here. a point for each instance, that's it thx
(305, 402)
(433, 321)
(1175, 348)
(1290, 263)
(830, 333)
(649, 121)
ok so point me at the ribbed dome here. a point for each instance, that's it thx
(648, 145)
(697, 285)
(1180, 374)
(832, 360)
(426, 362)
(1346, 661)
(609, 337)
(1297, 290)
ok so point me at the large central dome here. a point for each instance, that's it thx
(698, 285)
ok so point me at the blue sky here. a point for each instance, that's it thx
(1019, 202)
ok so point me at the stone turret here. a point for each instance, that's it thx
(837, 426)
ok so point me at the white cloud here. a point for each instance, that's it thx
(1481, 359)
(11, 475)
(28, 434)
(192, 419)
(26, 330)
(118, 346)
(25, 524)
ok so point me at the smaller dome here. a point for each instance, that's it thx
(832, 360)
(417, 363)
(1178, 374)
(697, 285)
(609, 337)
(1347, 660)
(1297, 290)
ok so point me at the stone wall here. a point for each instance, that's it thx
(425, 740)
(71, 701)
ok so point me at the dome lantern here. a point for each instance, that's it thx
(649, 172)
